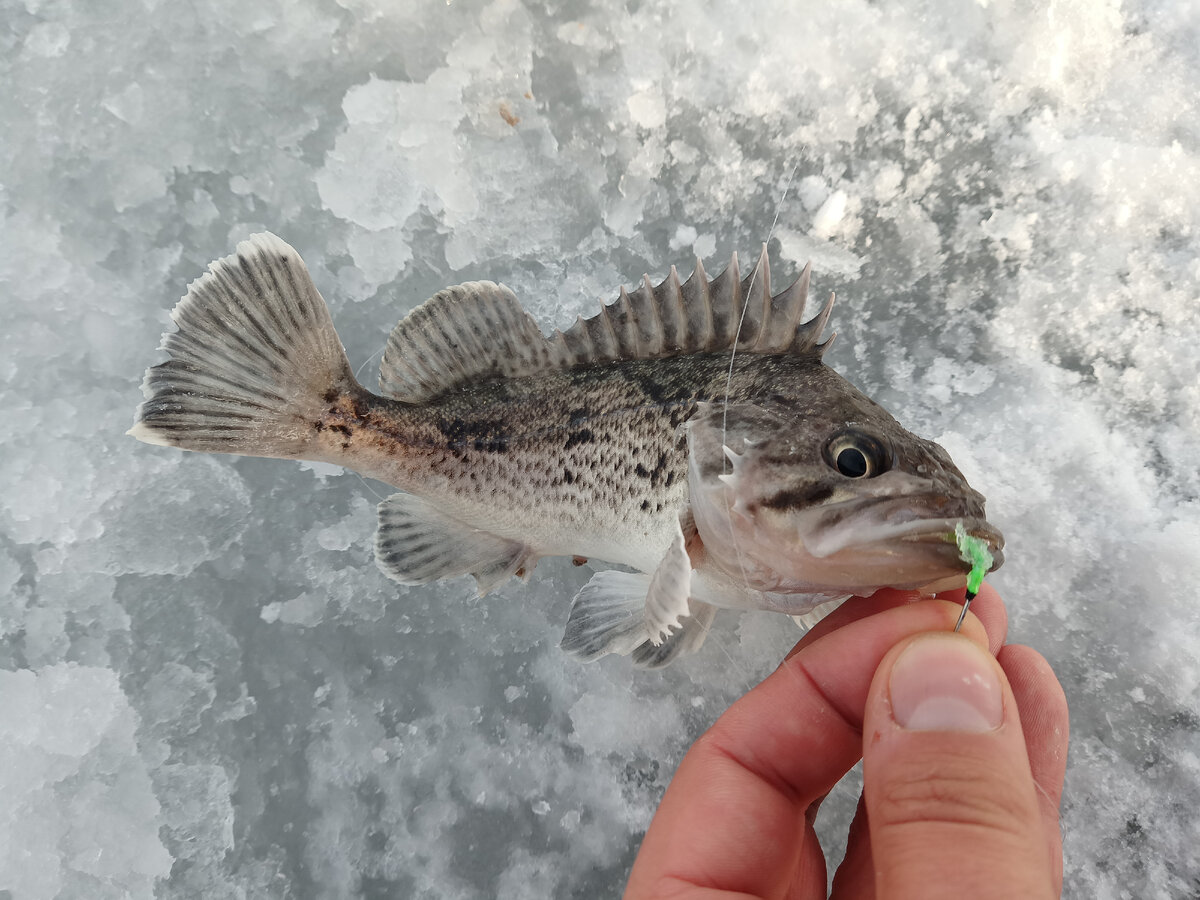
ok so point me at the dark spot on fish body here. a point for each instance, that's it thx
(359, 405)
(568, 476)
(577, 417)
(580, 436)
(651, 387)
(663, 390)
(645, 506)
(489, 436)
(660, 467)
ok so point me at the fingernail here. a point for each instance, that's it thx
(944, 682)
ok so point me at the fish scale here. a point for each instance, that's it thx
(755, 479)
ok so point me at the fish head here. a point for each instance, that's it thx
(829, 498)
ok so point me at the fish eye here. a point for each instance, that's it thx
(857, 455)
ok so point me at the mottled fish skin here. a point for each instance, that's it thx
(589, 461)
(755, 478)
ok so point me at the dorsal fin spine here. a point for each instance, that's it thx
(629, 321)
(586, 346)
(697, 295)
(610, 330)
(718, 301)
(737, 299)
(642, 316)
(654, 321)
(753, 318)
(796, 297)
(809, 333)
(671, 299)
(762, 284)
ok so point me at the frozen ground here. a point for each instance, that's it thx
(206, 687)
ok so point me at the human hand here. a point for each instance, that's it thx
(951, 806)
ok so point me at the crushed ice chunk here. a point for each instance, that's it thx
(829, 216)
(705, 245)
(812, 191)
(48, 40)
(79, 804)
(129, 105)
(685, 236)
(647, 108)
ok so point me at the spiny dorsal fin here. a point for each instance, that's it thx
(673, 319)
(479, 329)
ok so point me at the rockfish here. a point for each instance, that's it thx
(689, 431)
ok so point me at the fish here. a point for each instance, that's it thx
(689, 431)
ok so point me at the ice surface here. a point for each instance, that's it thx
(206, 686)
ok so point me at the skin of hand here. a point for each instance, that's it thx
(964, 745)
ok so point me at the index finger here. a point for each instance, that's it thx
(987, 607)
(732, 818)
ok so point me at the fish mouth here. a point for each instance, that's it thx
(941, 532)
(923, 522)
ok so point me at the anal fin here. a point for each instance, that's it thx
(416, 543)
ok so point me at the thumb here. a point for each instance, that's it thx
(950, 800)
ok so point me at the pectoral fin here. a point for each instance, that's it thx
(667, 597)
(686, 640)
(416, 544)
(617, 612)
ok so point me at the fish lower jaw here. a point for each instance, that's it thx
(884, 536)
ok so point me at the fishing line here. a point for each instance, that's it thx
(729, 375)
(746, 675)
(365, 362)
(746, 300)
(369, 488)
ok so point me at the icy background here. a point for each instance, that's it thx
(206, 687)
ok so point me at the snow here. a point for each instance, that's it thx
(208, 689)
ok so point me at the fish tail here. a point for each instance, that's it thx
(253, 363)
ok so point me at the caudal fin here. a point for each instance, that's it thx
(252, 363)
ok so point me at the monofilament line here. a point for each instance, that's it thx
(733, 356)
(787, 185)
